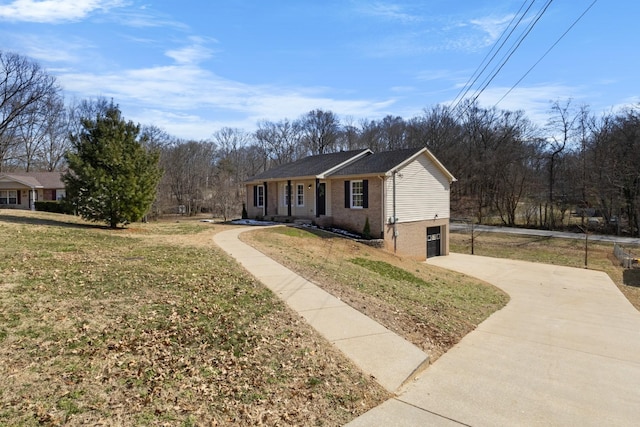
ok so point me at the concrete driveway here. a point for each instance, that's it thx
(565, 351)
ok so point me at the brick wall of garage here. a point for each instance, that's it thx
(412, 238)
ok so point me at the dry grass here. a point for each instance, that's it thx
(431, 307)
(557, 251)
(153, 325)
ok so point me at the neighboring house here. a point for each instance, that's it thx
(404, 195)
(21, 190)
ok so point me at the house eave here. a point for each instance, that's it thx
(353, 159)
(12, 178)
(292, 178)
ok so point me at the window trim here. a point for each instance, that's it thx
(353, 194)
(299, 195)
(7, 197)
(285, 194)
(260, 195)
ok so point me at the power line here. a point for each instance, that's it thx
(547, 52)
(480, 69)
(509, 54)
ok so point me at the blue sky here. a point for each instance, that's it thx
(193, 67)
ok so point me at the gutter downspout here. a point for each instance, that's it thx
(383, 211)
(395, 219)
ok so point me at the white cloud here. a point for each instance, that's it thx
(192, 54)
(52, 48)
(441, 34)
(195, 100)
(146, 17)
(393, 12)
(52, 11)
(492, 27)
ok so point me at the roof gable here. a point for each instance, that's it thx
(312, 166)
(378, 163)
(51, 180)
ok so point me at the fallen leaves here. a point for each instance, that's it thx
(156, 334)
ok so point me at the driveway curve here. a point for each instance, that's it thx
(565, 351)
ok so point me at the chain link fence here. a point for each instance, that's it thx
(627, 258)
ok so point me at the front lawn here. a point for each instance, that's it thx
(153, 325)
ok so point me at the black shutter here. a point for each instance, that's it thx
(365, 193)
(347, 194)
(255, 195)
(19, 201)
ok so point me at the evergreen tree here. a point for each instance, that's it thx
(112, 176)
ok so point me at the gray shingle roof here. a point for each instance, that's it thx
(364, 163)
(309, 166)
(378, 163)
(51, 180)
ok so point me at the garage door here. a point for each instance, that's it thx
(433, 241)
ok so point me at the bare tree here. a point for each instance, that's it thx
(23, 84)
(280, 141)
(42, 137)
(155, 137)
(561, 127)
(349, 138)
(188, 167)
(392, 133)
(370, 136)
(616, 149)
(86, 109)
(56, 142)
(320, 131)
(231, 169)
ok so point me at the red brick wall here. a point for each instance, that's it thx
(354, 219)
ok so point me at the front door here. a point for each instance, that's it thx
(433, 241)
(322, 199)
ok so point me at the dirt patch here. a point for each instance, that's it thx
(6, 287)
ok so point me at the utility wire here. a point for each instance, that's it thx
(547, 52)
(478, 72)
(509, 54)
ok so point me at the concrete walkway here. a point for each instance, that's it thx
(390, 359)
(565, 351)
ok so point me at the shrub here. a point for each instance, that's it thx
(54, 207)
(366, 231)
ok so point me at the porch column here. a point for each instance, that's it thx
(266, 210)
(317, 197)
(32, 199)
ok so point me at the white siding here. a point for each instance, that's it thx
(422, 192)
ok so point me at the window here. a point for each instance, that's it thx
(8, 197)
(357, 194)
(260, 196)
(49, 194)
(285, 192)
(300, 194)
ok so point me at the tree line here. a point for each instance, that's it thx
(509, 169)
